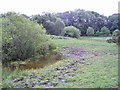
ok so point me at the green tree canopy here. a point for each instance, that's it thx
(90, 31)
(114, 22)
(22, 38)
(105, 31)
(50, 27)
(53, 24)
(71, 31)
(59, 26)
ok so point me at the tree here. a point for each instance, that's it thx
(113, 22)
(82, 19)
(50, 27)
(22, 38)
(59, 26)
(51, 23)
(105, 31)
(71, 31)
(90, 31)
(8, 14)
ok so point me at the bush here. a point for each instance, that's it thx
(115, 34)
(97, 33)
(57, 37)
(104, 31)
(115, 37)
(22, 38)
(90, 31)
(71, 31)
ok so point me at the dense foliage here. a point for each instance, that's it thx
(71, 31)
(114, 22)
(104, 31)
(53, 25)
(22, 38)
(80, 19)
(90, 31)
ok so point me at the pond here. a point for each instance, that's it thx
(34, 63)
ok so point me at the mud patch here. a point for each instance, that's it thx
(77, 52)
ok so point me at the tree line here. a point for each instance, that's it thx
(89, 23)
(82, 20)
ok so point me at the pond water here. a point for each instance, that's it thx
(37, 62)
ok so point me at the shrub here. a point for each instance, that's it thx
(115, 34)
(71, 31)
(115, 37)
(57, 37)
(22, 38)
(97, 33)
(104, 31)
(90, 31)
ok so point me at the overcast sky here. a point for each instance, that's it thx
(32, 7)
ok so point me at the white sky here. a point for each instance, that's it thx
(32, 7)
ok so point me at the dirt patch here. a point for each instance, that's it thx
(77, 52)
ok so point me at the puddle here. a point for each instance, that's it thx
(38, 62)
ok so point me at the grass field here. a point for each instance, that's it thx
(89, 62)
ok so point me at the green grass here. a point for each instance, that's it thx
(92, 43)
(94, 72)
(99, 74)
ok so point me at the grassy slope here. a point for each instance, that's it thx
(95, 72)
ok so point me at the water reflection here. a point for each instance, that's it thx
(38, 62)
